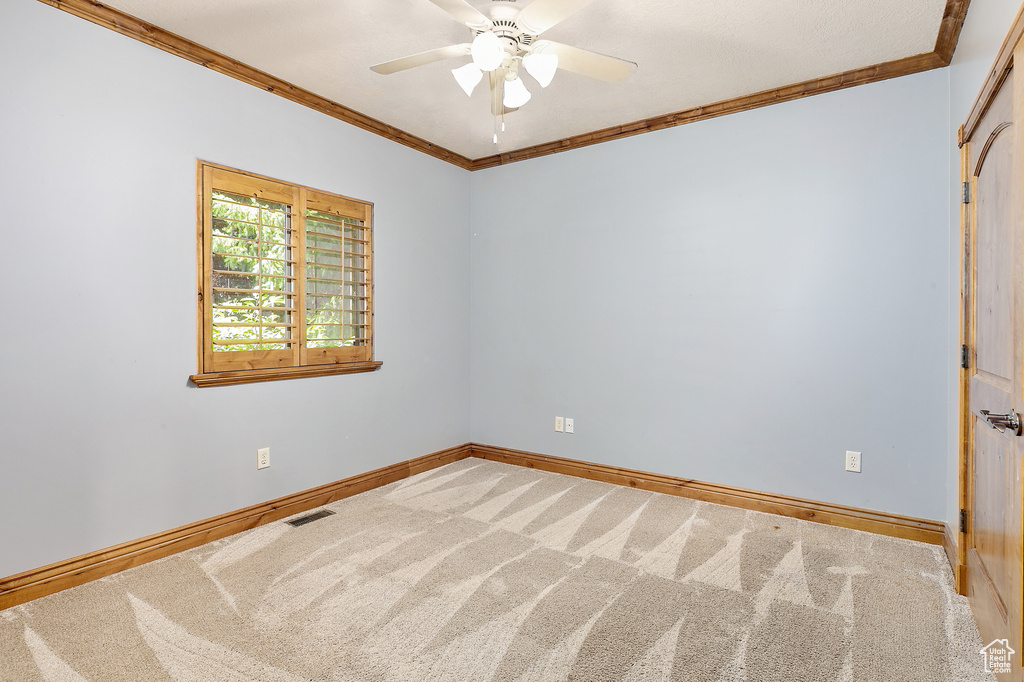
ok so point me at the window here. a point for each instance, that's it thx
(285, 280)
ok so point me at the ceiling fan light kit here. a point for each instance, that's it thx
(516, 94)
(488, 52)
(467, 76)
(541, 66)
(508, 38)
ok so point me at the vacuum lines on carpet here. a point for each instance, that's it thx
(485, 571)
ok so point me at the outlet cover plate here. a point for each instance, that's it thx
(853, 461)
(263, 458)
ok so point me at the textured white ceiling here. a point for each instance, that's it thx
(689, 52)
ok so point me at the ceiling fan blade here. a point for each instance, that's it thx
(463, 12)
(540, 15)
(422, 58)
(585, 62)
(497, 107)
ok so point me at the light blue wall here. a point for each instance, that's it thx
(739, 300)
(102, 438)
(987, 23)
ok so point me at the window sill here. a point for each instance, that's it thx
(254, 375)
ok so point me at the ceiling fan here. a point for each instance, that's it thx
(508, 39)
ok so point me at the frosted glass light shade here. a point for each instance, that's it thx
(516, 94)
(468, 75)
(488, 52)
(542, 67)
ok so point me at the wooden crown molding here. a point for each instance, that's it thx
(125, 24)
(953, 17)
(818, 86)
(152, 35)
(949, 32)
(996, 75)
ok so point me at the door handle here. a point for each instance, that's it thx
(1002, 422)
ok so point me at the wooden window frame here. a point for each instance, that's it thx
(239, 367)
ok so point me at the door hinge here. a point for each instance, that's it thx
(965, 357)
(965, 193)
(963, 520)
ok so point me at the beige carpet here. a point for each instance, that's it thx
(484, 571)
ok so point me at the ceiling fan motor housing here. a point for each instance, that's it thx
(515, 40)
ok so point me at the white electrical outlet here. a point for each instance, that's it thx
(853, 461)
(263, 458)
(558, 424)
(568, 425)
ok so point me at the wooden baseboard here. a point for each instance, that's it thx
(949, 546)
(883, 523)
(17, 589)
(959, 570)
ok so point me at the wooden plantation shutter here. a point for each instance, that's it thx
(286, 285)
(338, 258)
(251, 245)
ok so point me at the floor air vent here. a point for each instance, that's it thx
(310, 518)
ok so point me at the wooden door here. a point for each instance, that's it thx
(994, 313)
